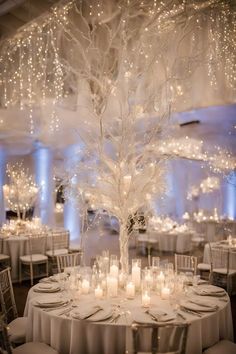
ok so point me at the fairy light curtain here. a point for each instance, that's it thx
(185, 48)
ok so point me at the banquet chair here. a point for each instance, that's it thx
(221, 273)
(17, 325)
(59, 246)
(4, 258)
(26, 348)
(68, 260)
(35, 259)
(164, 338)
(185, 263)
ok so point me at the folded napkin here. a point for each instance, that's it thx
(83, 313)
(209, 290)
(198, 307)
(161, 316)
(95, 313)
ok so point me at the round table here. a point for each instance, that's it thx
(179, 242)
(16, 246)
(73, 336)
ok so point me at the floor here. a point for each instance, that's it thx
(95, 242)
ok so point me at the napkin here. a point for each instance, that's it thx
(198, 307)
(209, 290)
(162, 316)
(95, 313)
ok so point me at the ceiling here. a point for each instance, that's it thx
(16, 13)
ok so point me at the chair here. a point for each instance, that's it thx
(222, 347)
(4, 258)
(35, 258)
(164, 338)
(17, 325)
(59, 246)
(68, 260)
(221, 274)
(27, 348)
(185, 263)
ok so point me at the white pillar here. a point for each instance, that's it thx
(71, 209)
(2, 181)
(43, 160)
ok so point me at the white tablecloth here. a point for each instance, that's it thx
(223, 244)
(17, 246)
(214, 230)
(73, 336)
(168, 242)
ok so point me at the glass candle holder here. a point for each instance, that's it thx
(98, 292)
(136, 272)
(165, 293)
(146, 295)
(147, 277)
(114, 267)
(130, 289)
(112, 286)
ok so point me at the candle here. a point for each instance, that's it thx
(149, 278)
(146, 299)
(114, 270)
(130, 290)
(165, 293)
(85, 286)
(112, 286)
(160, 281)
(98, 292)
(136, 275)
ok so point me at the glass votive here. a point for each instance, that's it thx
(114, 267)
(160, 281)
(98, 292)
(130, 289)
(85, 286)
(146, 296)
(112, 286)
(136, 272)
(147, 277)
(122, 279)
(165, 293)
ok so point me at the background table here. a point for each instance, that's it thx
(73, 336)
(17, 246)
(223, 244)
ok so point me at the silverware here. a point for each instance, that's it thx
(154, 318)
(181, 315)
(114, 319)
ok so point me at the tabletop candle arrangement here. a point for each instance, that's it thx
(109, 282)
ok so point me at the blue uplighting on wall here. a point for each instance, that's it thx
(2, 181)
(44, 179)
(230, 205)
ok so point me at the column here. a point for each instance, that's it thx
(2, 180)
(229, 196)
(43, 161)
(71, 208)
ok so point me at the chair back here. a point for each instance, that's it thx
(185, 263)
(162, 338)
(68, 260)
(37, 245)
(59, 240)
(8, 304)
(219, 258)
(5, 345)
